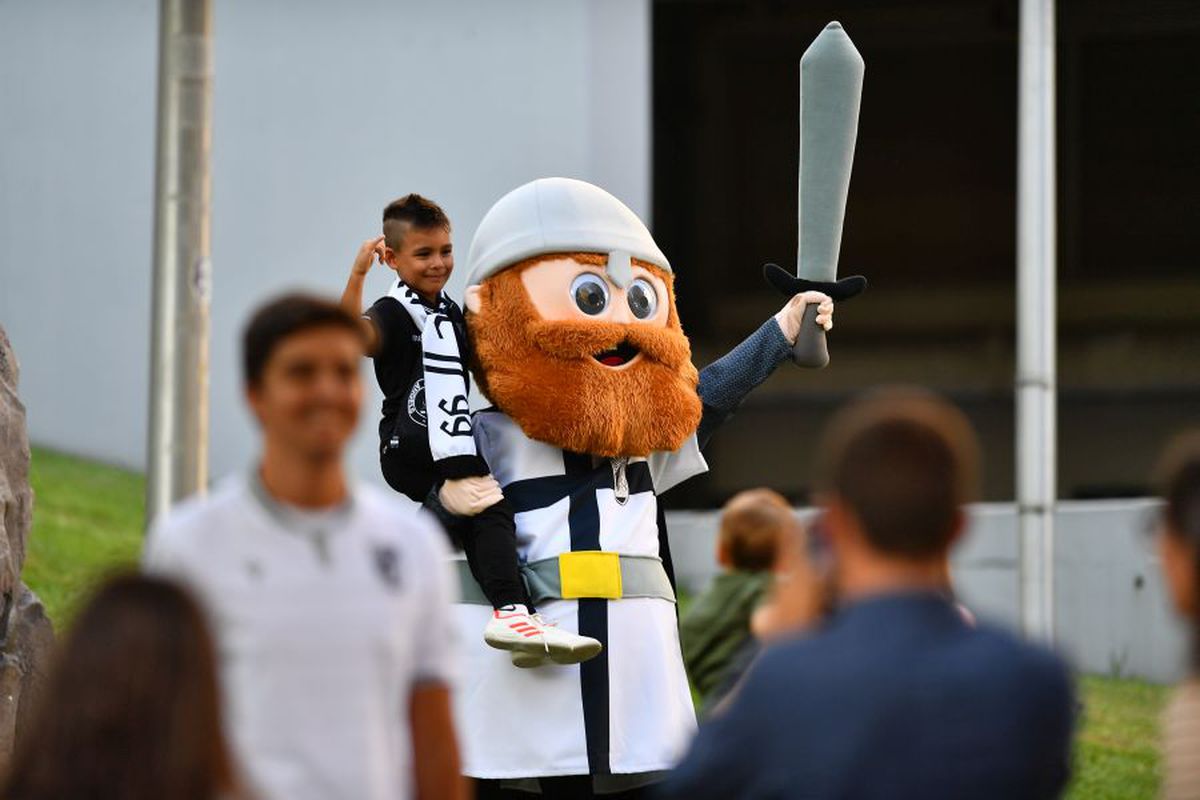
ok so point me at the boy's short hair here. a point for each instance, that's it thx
(411, 211)
(905, 462)
(752, 524)
(286, 316)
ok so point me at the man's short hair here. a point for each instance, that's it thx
(905, 462)
(752, 525)
(1178, 482)
(411, 211)
(286, 316)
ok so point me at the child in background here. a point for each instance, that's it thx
(756, 527)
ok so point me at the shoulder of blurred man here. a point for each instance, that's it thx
(191, 517)
(865, 657)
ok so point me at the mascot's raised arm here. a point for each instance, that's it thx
(596, 410)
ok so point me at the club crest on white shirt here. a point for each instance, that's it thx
(387, 565)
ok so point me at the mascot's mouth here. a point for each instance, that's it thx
(619, 356)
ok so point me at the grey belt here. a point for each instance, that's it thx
(641, 576)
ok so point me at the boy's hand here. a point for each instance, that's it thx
(370, 250)
(469, 496)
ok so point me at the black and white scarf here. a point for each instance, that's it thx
(447, 408)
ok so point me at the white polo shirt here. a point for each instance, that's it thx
(324, 623)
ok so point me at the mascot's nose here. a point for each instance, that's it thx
(619, 306)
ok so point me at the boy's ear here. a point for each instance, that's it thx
(389, 256)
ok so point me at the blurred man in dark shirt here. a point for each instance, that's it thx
(896, 696)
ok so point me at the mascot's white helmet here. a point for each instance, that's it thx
(560, 215)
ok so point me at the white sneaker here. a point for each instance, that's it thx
(529, 660)
(513, 628)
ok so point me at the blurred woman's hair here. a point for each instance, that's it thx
(1178, 478)
(131, 708)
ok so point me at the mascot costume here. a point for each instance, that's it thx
(597, 410)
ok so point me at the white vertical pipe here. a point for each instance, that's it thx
(177, 462)
(1036, 340)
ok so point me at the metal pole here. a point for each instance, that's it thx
(178, 437)
(1036, 423)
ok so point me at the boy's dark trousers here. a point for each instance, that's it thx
(489, 540)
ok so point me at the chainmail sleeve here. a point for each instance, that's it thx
(726, 382)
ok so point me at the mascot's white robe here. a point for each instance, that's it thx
(629, 710)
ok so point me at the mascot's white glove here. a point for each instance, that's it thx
(468, 496)
(790, 315)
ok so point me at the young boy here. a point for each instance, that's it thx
(757, 526)
(416, 336)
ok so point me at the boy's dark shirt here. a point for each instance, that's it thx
(403, 433)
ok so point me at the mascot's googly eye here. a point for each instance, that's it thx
(590, 293)
(643, 300)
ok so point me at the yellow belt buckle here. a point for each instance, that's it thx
(590, 573)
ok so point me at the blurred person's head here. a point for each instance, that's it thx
(301, 370)
(759, 531)
(895, 471)
(131, 708)
(756, 525)
(417, 244)
(1179, 539)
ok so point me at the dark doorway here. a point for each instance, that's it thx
(931, 220)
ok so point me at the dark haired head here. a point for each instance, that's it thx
(1178, 478)
(753, 523)
(411, 211)
(905, 462)
(283, 317)
(131, 708)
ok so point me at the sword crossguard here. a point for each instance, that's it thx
(811, 350)
(790, 285)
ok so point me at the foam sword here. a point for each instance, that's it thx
(831, 77)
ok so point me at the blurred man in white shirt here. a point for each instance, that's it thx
(330, 601)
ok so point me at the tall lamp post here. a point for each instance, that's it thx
(177, 443)
(1036, 297)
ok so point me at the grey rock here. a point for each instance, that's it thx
(25, 654)
(16, 496)
(26, 634)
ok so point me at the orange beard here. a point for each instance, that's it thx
(542, 373)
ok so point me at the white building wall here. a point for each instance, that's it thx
(323, 112)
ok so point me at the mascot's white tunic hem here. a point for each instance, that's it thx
(629, 710)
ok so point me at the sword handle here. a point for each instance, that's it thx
(810, 349)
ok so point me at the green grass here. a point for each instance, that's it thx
(1116, 752)
(88, 521)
